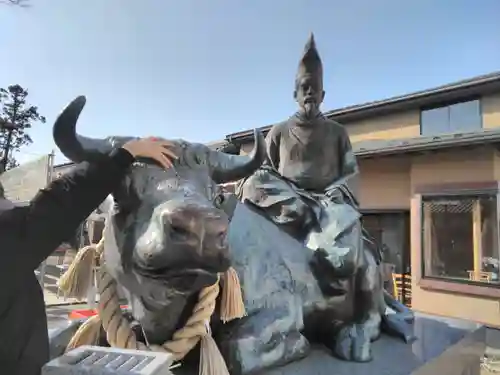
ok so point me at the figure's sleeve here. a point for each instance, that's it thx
(348, 164)
(55, 212)
(273, 147)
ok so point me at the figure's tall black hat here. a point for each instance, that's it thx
(310, 63)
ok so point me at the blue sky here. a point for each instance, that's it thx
(199, 69)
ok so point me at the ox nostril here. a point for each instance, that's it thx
(179, 233)
(222, 238)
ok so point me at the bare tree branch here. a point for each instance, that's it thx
(19, 3)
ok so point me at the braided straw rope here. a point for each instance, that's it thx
(119, 333)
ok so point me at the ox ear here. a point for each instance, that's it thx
(227, 168)
(107, 205)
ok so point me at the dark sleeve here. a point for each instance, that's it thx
(349, 170)
(55, 212)
(273, 147)
(348, 162)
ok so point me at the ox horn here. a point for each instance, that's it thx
(75, 147)
(228, 168)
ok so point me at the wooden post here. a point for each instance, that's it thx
(496, 225)
(428, 251)
(477, 238)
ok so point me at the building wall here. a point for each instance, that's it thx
(385, 183)
(374, 190)
(390, 183)
(491, 111)
(479, 309)
(393, 126)
(246, 148)
(454, 166)
(407, 124)
(496, 165)
(449, 167)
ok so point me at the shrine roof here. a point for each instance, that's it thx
(477, 86)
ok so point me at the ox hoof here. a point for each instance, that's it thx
(250, 355)
(353, 343)
(397, 325)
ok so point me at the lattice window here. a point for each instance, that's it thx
(460, 238)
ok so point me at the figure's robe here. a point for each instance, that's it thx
(308, 187)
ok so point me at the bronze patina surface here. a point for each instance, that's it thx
(307, 187)
(309, 273)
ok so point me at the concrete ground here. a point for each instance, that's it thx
(391, 356)
(57, 315)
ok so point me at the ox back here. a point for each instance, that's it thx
(277, 283)
(273, 267)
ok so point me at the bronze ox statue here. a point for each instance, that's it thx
(174, 232)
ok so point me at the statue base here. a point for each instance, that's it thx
(443, 346)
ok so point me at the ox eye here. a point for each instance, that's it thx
(219, 200)
(179, 233)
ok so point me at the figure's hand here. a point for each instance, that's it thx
(157, 149)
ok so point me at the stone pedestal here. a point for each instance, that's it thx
(444, 347)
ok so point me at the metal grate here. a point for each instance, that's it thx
(114, 361)
(109, 361)
(450, 206)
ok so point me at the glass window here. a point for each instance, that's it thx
(465, 117)
(460, 238)
(455, 118)
(435, 121)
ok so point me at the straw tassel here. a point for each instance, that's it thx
(211, 360)
(77, 280)
(87, 334)
(232, 306)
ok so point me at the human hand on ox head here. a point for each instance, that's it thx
(153, 148)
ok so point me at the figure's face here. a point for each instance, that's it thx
(309, 94)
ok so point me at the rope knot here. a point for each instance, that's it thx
(118, 330)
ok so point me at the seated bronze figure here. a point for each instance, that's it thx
(308, 271)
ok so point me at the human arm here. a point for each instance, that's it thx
(56, 211)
